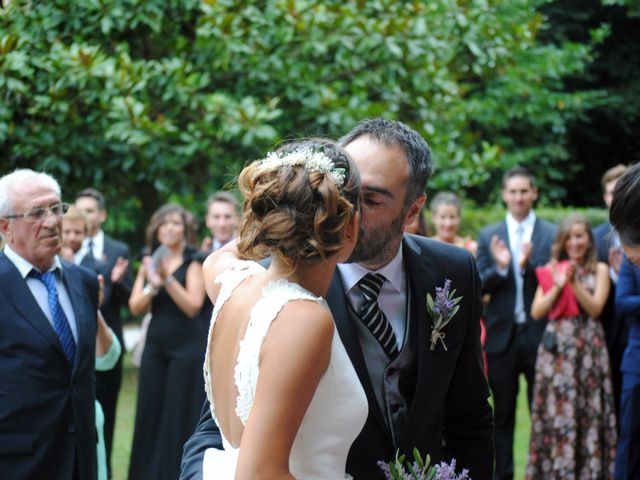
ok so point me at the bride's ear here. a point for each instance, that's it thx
(353, 228)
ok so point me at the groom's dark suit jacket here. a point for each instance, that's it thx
(47, 412)
(449, 415)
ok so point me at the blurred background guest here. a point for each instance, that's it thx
(222, 220)
(98, 246)
(616, 331)
(573, 425)
(171, 388)
(446, 214)
(108, 348)
(419, 225)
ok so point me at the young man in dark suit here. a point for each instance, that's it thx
(625, 219)
(508, 253)
(610, 252)
(47, 339)
(97, 247)
(424, 391)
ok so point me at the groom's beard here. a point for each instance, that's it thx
(378, 245)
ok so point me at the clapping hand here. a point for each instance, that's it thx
(615, 259)
(152, 272)
(500, 252)
(561, 278)
(525, 253)
(101, 290)
(119, 269)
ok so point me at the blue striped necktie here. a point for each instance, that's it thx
(60, 321)
(373, 317)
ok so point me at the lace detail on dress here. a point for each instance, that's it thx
(274, 296)
(229, 280)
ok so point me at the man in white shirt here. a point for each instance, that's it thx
(222, 220)
(508, 253)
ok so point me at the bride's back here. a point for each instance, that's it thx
(228, 331)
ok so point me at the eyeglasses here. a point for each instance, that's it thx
(38, 214)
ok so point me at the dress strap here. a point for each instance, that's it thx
(274, 297)
(229, 281)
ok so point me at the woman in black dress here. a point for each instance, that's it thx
(171, 391)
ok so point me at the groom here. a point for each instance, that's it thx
(433, 399)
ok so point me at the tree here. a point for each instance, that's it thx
(152, 100)
(605, 134)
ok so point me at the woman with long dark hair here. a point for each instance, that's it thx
(169, 284)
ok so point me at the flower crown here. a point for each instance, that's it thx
(312, 161)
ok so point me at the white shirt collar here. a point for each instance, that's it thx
(24, 266)
(528, 223)
(98, 246)
(352, 272)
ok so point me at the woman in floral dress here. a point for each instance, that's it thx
(573, 429)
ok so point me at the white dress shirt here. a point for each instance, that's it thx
(393, 295)
(39, 290)
(98, 248)
(527, 226)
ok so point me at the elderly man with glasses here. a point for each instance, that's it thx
(47, 339)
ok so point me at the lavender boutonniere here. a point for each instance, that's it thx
(442, 310)
(420, 469)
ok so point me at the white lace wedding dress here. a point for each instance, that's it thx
(336, 413)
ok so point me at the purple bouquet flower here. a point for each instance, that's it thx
(420, 469)
(442, 310)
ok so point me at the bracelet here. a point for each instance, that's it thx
(149, 290)
(169, 280)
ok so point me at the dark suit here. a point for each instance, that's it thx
(108, 382)
(616, 331)
(47, 413)
(628, 308)
(511, 349)
(449, 415)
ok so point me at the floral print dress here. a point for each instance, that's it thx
(573, 425)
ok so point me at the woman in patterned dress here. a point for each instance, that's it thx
(573, 429)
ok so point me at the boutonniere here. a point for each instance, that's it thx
(442, 310)
(420, 469)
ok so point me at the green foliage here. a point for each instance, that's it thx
(151, 100)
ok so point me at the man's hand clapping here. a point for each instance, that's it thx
(119, 270)
(500, 252)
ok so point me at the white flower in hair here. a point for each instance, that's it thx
(312, 161)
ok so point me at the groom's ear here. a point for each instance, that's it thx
(414, 209)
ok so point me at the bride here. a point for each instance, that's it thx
(281, 386)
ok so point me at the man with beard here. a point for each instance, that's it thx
(425, 383)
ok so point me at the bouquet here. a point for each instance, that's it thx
(420, 469)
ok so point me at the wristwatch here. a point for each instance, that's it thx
(149, 290)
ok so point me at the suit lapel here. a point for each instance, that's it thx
(421, 278)
(337, 301)
(18, 293)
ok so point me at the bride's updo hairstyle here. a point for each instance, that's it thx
(297, 202)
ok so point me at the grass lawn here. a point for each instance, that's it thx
(123, 435)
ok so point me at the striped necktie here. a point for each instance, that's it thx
(60, 322)
(373, 317)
